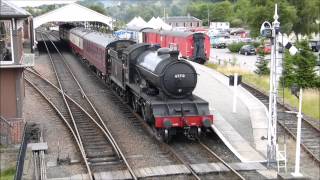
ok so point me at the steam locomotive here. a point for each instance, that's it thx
(154, 81)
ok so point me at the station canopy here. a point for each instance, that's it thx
(138, 22)
(72, 13)
(158, 23)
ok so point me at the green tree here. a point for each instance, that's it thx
(221, 11)
(241, 13)
(300, 68)
(308, 13)
(261, 11)
(262, 64)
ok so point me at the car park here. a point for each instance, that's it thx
(266, 49)
(247, 50)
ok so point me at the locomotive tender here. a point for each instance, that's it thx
(154, 81)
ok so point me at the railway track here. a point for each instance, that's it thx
(178, 151)
(310, 132)
(175, 150)
(98, 147)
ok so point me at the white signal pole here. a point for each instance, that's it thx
(299, 115)
(274, 79)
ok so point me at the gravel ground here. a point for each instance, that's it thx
(216, 144)
(44, 67)
(139, 148)
(307, 166)
(60, 143)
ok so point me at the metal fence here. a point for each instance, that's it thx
(5, 131)
(11, 130)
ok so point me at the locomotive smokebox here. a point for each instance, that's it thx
(162, 68)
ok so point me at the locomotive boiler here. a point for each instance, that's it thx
(163, 69)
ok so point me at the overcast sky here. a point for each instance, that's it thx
(35, 3)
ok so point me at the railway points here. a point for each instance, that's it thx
(113, 108)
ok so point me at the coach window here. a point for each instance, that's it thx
(6, 48)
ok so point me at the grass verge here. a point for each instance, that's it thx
(8, 174)
(310, 103)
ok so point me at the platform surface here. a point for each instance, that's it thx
(241, 131)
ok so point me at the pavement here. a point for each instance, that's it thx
(222, 56)
(242, 131)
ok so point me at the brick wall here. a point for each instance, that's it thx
(11, 134)
(16, 130)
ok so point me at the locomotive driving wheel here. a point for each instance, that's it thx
(195, 132)
(166, 135)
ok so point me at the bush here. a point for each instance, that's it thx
(299, 68)
(235, 47)
(236, 22)
(255, 44)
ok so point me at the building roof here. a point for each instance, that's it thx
(72, 12)
(170, 33)
(180, 19)
(9, 10)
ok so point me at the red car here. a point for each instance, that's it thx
(192, 45)
(266, 49)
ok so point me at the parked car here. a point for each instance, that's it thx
(315, 45)
(266, 49)
(247, 50)
(220, 45)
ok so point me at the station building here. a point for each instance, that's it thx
(183, 21)
(15, 28)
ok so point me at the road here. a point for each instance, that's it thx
(224, 55)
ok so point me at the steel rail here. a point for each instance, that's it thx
(304, 147)
(104, 128)
(221, 160)
(69, 110)
(69, 98)
(61, 116)
(163, 144)
(110, 137)
(113, 141)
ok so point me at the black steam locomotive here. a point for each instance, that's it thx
(159, 86)
(154, 81)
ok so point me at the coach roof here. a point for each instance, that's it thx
(99, 38)
(169, 33)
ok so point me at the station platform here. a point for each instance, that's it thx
(243, 132)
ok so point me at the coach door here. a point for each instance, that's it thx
(199, 49)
